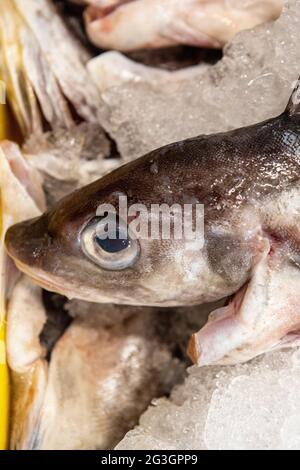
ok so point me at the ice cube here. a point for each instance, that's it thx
(249, 406)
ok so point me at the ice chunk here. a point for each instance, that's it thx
(87, 155)
(249, 406)
(112, 69)
(251, 83)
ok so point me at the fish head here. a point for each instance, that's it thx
(200, 248)
(63, 251)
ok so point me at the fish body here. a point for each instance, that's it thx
(248, 182)
(165, 23)
(94, 385)
(42, 87)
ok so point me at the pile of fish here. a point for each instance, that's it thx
(82, 373)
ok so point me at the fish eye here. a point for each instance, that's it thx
(109, 243)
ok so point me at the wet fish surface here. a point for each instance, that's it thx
(164, 23)
(78, 374)
(248, 182)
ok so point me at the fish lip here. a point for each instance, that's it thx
(39, 279)
(43, 281)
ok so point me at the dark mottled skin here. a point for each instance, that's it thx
(226, 172)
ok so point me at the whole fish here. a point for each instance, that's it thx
(249, 183)
(41, 83)
(128, 25)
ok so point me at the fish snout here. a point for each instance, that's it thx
(27, 241)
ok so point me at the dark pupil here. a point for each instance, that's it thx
(113, 245)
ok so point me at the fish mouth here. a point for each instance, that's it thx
(22, 243)
(52, 284)
(58, 285)
(42, 280)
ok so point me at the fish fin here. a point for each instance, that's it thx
(262, 316)
(293, 107)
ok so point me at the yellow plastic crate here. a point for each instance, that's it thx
(4, 390)
(3, 124)
(4, 375)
